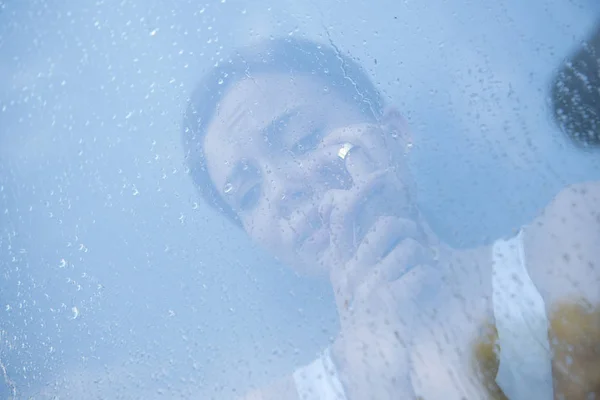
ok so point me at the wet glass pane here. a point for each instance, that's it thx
(336, 199)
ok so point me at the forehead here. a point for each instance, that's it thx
(250, 105)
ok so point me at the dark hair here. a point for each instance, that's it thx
(286, 55)
(576, 93)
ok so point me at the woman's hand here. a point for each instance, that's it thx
(376, 276)
(376, 292)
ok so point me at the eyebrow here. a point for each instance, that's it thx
(270, 132)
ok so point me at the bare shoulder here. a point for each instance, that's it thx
(562, 245)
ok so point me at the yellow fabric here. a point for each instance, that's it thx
(575, 342)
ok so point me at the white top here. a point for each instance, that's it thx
(319, 380)
(525, 368)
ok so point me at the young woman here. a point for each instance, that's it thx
(291, 141)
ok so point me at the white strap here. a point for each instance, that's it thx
(319, 380)
(525, 369)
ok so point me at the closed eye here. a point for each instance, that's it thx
(308, 142)
(250, 198)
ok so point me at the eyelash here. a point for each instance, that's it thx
(251, 195)
(314, 138)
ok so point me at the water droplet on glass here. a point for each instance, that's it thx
(220, 82)
(75, 311)
(154, 32)
(228, 188)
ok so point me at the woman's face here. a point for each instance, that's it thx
(293, 158)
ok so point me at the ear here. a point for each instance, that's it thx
(396, 124)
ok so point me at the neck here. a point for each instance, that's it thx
(464, 275)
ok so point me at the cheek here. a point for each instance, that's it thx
(268, 233)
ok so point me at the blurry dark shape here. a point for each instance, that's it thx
(576, 93)
(575, 341)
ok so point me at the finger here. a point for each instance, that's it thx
(360, 165)
(405, 256)
(408, 288)
(381, 239)
(377, 258)
(344, 204)
(353, 292)
(386, 232)
(400, 300)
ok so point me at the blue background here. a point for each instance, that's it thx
(117, 282)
